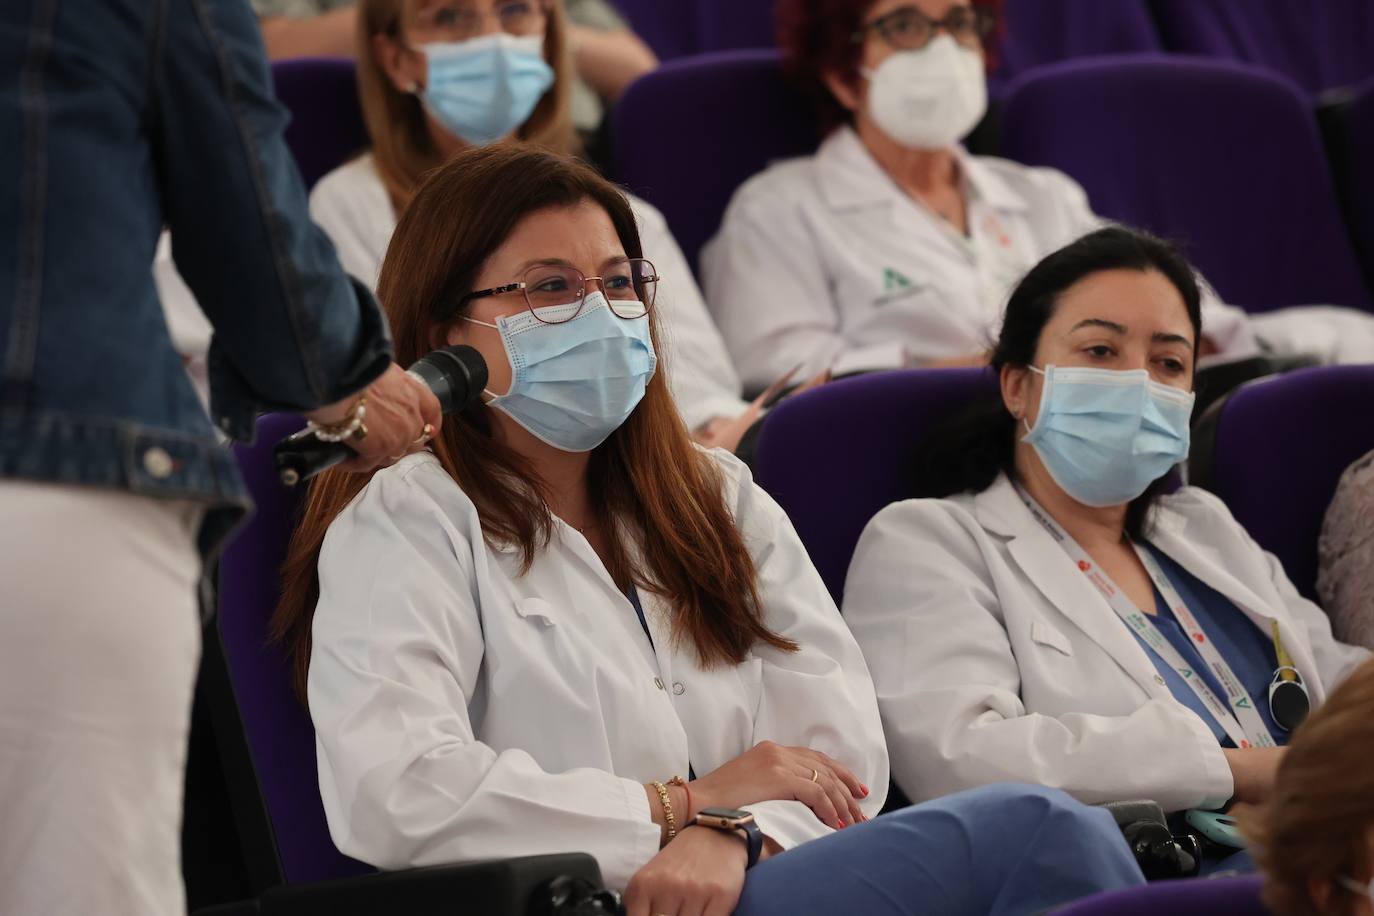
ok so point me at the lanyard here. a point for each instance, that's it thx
(633, 595)
(1236, 714)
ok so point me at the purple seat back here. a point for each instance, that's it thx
(327, 126)
(1039, 32)
(669, 27)
(280, 736)
(833, 457)
(1281, 446)
(1222, 157)
(1357, 179)
(1238, 896)
(728, 24)
(1318, 44)
(689, 133)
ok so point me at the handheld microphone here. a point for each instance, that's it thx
(455, 374)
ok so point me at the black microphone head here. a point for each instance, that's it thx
(455, 374)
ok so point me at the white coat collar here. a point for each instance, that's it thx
(849, 176)
(1000, 511)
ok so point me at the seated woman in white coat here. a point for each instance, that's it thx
(434, 81)
(564, 627)
(892, 246)
(1057, 617)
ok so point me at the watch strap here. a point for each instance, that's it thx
(753, 841)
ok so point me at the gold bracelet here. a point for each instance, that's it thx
(667, 804)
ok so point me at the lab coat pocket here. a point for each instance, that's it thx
(1046, 635)
(537, 610)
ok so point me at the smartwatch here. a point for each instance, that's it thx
(734, 819)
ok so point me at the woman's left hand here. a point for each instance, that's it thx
(699, 873)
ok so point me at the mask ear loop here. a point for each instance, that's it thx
(1024, 422)
(486, 324)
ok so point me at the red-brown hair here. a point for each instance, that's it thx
(1316, 824)
(816, 38)
(649, 483)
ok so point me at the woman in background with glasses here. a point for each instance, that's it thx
(566, 628)
(439, 77)
(893, 246)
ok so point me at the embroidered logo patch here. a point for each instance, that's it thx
(894, 280)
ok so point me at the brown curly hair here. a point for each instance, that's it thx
(1316, 825)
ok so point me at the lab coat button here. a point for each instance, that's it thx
(678, 689)
(158, 463)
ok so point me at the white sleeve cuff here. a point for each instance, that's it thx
(867, 359)
(788, 823)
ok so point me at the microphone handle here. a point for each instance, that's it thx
(303, 455)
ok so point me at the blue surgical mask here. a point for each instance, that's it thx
(1105, 436)
(574, 383)
(484, 88)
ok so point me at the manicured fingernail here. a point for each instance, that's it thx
(865, 789)
(839, 825)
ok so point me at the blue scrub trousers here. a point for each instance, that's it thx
(1001, 849)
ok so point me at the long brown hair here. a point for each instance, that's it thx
(649, 483)
(402, 149)
(1316, 825)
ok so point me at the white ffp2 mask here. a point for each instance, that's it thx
(931, 98)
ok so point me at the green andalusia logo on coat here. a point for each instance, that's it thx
(894, 280)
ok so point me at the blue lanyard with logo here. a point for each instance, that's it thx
(1236, 714)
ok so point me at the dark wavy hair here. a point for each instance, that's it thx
(967, 454)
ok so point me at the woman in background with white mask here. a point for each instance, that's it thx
(892, 246)
(442, 76)
(1056, 618)
(566, 628)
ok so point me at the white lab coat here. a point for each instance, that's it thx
(995, 659)
(351, 205)
(466, 710)
(826, 262)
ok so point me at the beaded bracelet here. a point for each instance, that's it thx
(350, 426)
(667, 804)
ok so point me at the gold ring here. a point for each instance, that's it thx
(425, 435)
(815, 775)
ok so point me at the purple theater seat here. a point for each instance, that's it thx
(327, 126)
(689, 133)
(1355, 176)
(1274, 450)
(833, 457)
(1222, 157)
(1238, 896)
(1039, 32)
(1318, 44)
(280, 736)
(669, 27)
(723, 25)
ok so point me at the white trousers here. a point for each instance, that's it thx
(99, 647)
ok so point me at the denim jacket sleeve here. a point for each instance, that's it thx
(292, 330)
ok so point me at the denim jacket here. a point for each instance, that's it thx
(118, 117)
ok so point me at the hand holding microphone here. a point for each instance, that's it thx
(403, 409)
